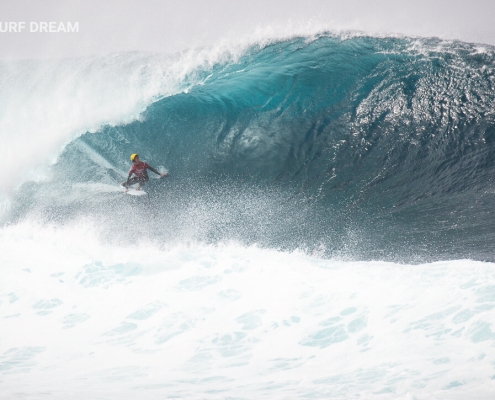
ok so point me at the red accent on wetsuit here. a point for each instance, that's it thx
(138, 169)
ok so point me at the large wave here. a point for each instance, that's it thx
(349, 147)
(353, 146)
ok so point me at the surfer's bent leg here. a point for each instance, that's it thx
(142, 180)
(131, 181)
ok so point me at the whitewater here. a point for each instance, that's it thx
(325, 232)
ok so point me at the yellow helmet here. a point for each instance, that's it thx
(133, 156)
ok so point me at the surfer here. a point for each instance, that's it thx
(139, 169)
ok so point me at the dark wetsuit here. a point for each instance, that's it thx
(140, 172)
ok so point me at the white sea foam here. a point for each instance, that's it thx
(91, 320)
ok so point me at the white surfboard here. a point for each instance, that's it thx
(134, 192)
(96, 188)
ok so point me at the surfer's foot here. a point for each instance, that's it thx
(138, 187)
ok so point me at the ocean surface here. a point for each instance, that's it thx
(326, 229)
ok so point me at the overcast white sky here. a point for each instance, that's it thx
(164, 25)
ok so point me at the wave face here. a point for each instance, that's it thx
(369, 148)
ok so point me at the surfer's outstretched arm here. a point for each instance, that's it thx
(156, 172)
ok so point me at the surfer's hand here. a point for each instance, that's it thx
(165, 174)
